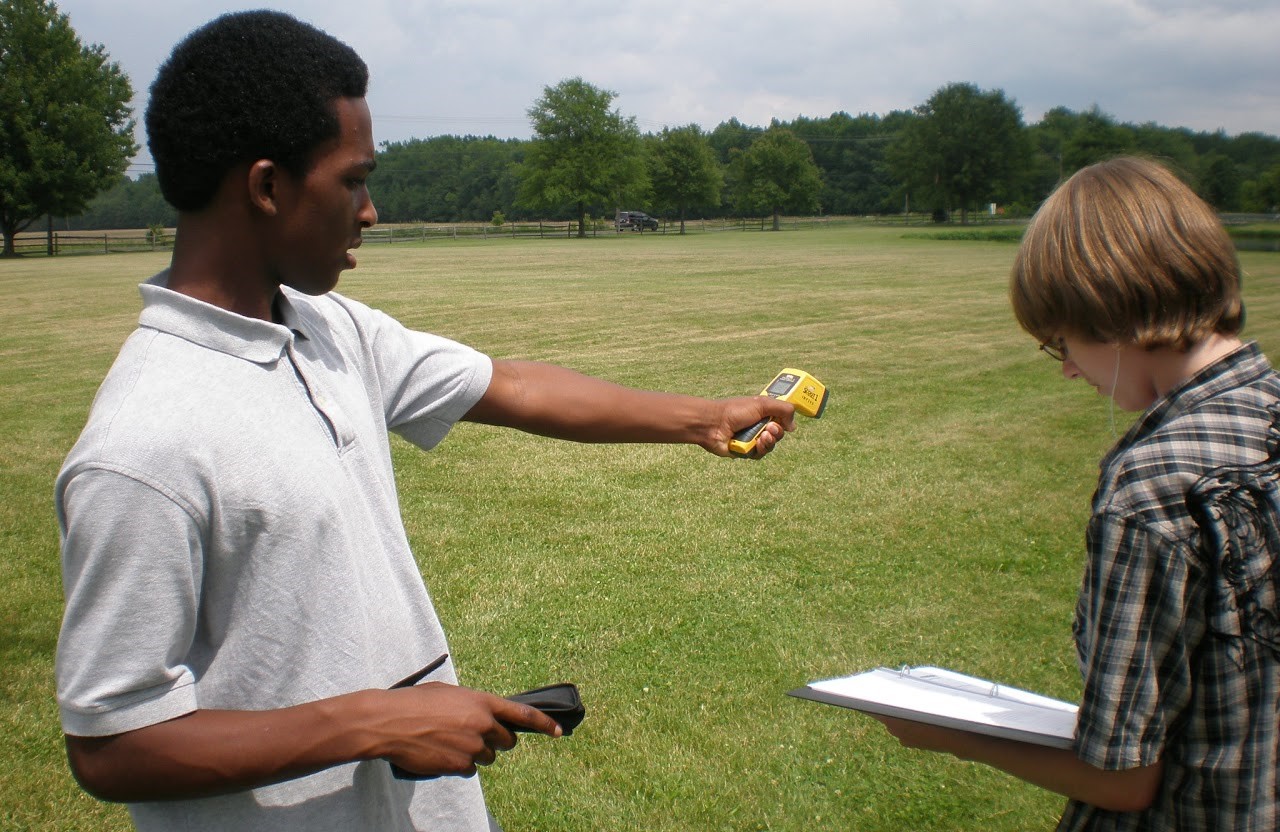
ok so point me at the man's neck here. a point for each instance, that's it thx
(213, 263)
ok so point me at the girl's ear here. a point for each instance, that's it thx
(264, 185)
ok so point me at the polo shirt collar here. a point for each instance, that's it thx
(215, 328)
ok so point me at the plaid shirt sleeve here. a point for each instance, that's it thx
(1132, 630)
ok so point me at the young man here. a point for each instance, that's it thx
(1129, 280)
(239, 586)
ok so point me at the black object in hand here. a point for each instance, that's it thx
(560, 702)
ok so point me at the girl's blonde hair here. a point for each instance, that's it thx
(1125, 252)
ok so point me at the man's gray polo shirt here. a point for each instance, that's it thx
(232, 539)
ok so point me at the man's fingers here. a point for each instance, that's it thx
(519, 717)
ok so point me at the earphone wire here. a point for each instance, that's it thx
(1111, 400)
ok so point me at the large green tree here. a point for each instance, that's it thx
(445, 179)
(732, 135)
(683, 170)
(1266, 191)
(965, 146)
(130, 203)
(583, 154)
(66, 130)
(775, 174)
(1096, 137)
(1219, 182)
(849, 152)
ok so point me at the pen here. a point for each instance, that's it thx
(414, 678)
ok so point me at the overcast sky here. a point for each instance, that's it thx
(475, 66)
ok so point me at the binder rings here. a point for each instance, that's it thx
(953, 700)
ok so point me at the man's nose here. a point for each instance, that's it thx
(368, 214)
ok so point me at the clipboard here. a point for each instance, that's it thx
(949, 699)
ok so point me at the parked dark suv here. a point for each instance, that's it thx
(636, 221)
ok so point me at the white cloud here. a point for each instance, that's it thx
(475, 66)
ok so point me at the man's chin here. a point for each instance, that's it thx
(315, 288)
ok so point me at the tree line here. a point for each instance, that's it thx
(856, 165)
(66, 137)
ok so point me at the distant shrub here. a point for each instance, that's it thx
(1254, 233)
(1003, 234)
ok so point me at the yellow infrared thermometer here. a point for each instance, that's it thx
(806, 393)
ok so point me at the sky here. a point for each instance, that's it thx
(474, 67)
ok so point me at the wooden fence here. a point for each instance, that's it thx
(594, 228)
(110, 242)
(92, 242)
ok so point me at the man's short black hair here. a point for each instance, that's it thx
(247, 86)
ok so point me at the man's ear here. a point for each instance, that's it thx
(264, 186)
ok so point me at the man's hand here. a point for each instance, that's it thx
(744, 411)
(441, 729)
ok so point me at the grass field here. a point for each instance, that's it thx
(934, 515)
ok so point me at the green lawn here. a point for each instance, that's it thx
(933, 515)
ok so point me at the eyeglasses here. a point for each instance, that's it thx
(1057, 352)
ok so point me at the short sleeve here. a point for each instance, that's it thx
(131, 578)
(1131, 628)
(425, 382)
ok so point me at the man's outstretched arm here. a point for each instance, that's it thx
(553, 401)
